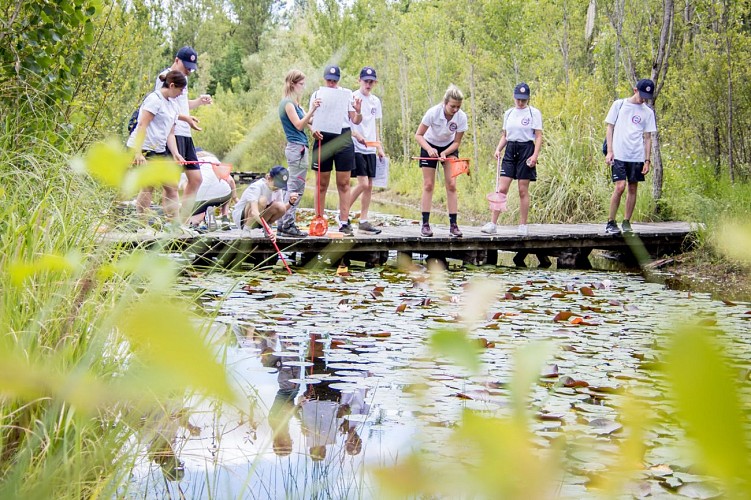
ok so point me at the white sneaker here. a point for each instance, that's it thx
(489, 228)
(522, 230)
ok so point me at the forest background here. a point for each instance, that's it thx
(577, 56)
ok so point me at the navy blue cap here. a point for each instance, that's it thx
(279, 175)
(368, 73)
(646, 88)
(189, 57)
(521, 91)
(332, 73)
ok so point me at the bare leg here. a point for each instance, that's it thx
(170, 201)
(428, 183)
(523, 200)
(189, 194)
(342, 186)
(630, 200)
(451, 199)
(143, 200)
(325, 178)
(615, 200)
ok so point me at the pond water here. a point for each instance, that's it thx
(340, 367)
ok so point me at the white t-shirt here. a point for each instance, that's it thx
(212, 187)
(351, 107)
(319, 422)
(633, 121)
(259, 189)
(440, 131)
(371, 111)
(520, 124)
(181, 128)
(165, 116)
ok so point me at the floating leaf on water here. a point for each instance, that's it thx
(567, 381)
(307, 381)
(587, 292)
(558, 296)
(660, 470)
(514, 289)
(699, 490)
(630, 307)
(381, 335)
(563, 316)
(401, 307)
(549, 371)
(550, 417)
(671, 483)
(728, 303)
(605, 426)
(297, 363)
(707, 322)
(614, 302)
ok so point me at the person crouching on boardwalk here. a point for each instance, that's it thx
(439, 136)
(522, 138)
(264, 198)
(154, 137)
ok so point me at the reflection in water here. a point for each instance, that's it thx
(340, 370)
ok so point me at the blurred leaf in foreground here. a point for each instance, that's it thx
(708, 404)
(107, 162)
(172, 353)
(153, 174)
(64, 264)
(734, 240)
(456, 346)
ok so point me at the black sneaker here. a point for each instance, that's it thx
(290, 232)
(612, 228)
(346, 229)
(626, 226)
(454, 231)
(426, 232)
(367, 227)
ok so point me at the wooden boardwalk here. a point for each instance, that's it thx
(571, 244)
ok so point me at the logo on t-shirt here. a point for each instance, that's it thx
(372, 111)
(636, 119)
(525, 121)
(452, 127)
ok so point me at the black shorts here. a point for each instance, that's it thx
(627, 171)
(201, 206)
(434, 163)
(514, 163)
(365, 165)
(187, 150)
(336, 149)
(154, 155)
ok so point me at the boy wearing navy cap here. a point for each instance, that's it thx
(264, 198)
(631, 124)
(367, 145)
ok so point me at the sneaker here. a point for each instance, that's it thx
(612, 228)
(626, 226)
(522, 230)
(290, 232)
(225, 224)
(455, 232)
(346, 229)
(426, 232)
(367, 227)
(489, 228)
(201, 228)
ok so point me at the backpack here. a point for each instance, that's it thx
(605, 142)
(133, 120)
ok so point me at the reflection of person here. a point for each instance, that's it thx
(522, 138)
(337, 151)
(264, 198)
(186, 62)
(294, 120)
(629, 139)
(214, 191)
(365, 156)
(155, 135)
(439, 136)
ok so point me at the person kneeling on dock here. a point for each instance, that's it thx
(264, 198)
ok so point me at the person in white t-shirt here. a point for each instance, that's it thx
(154, 137)
(439, 136)
(264, 198)
(522, 138)
(214, 190)
(631, 124)
(365, 155)
(336, 150)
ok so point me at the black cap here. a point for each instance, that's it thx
(279, 175)
(332, 73)
(368, 73)
(646, 88)
(189, 58)
(521, 91)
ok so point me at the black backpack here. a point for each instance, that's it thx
(133, 121)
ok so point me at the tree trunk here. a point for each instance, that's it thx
(659, 71)
(726, 22)
(472, 91)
